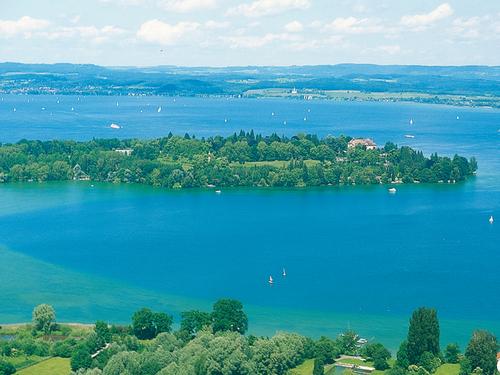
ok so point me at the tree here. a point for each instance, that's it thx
(147, 324)
(193, 321)
(326, 350)
(228, 315)
(319, 367)
(6, 368)
(429, 362)
(452, 353)
(81, 359)
(481, 352)
(103, 333)
(44, 317)
(402, 360)
(423, 334)
(378, 354)
(348, 342)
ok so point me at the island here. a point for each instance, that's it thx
(240, 160)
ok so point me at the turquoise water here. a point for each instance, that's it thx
(355, 257)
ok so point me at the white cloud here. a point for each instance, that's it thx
(184, 6)
(155, 31)
(294, 27)
(260, 8)
(390, 49)
(215, 25)
(25, 25)
(353, 25)
(244, 41)
(90, 33)
(420, 21)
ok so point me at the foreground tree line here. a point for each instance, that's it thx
(214, 343)
(243, 159)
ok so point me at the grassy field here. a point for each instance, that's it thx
(448, 369)
(24, 360)
(304, 369)
(52, 366)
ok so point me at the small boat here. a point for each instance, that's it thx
(115, 126)
(305, 118)
(117, 104)
(409, 136)
(271, 281)
(491, 220)
(272, 113)
(218, 191)
(159, 109)
(15, 110)
(43, 108)
(283, 273)
(284, 122)
(58, 102)
(72, 108)
(392, 190)
(458, 117)
(225, 120)
(411, 121)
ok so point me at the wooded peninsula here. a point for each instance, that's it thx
(241, 160)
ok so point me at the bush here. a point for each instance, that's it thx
(429, 362)
(452, 353)
(6, 368)
(319, 367)
(63, 349)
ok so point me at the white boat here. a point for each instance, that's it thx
(284, 122)
(284, 273)
(159, 109)
(272, 113)
(458, 117)
(411, 121)
(218, 191)
(392, 190)
(72, 108)
(117, 104)
(491, 220)
(115, 126)
(225, 120)
(409, 136)
(305, 118)
(15, 110)
(271, 281)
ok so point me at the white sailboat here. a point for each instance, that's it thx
(411, 121)
(392, 190)
(284, 273)
(115, 126)
(491, 220)
(271, 281)
(159, 109)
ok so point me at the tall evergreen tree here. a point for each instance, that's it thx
(423, 334)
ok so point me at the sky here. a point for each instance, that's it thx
(250, 32)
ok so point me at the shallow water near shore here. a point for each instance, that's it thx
(356, 257)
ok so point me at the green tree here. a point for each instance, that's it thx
(147, 324)
(81, 358)
(44, 317)
(481, 352)
(452, 353)
(103, 333)
(319, 367)
(378, 354)
(228, 315)
(326, 349)
(423, 334)
(402, 360)
(193, 321)
(348, 342)
(6, 368)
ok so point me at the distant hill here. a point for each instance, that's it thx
(173, 80)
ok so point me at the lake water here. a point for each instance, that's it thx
(355, 257)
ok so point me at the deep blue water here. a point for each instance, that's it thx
(353, 251)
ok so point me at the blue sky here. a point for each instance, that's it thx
(250, 32)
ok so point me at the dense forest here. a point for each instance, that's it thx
(216, 343)
(243, 159)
